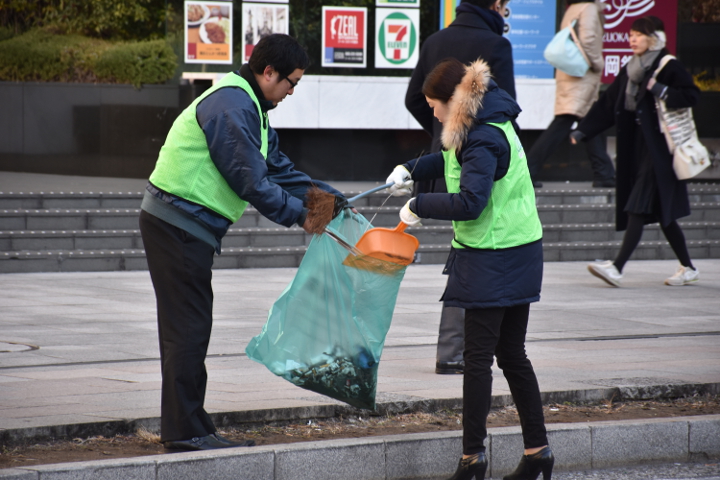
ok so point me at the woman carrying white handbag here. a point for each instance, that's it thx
(574, 95)
(648, 190)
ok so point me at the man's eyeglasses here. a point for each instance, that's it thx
(292, 84)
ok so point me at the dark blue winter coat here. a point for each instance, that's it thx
(480, 278)
(231, 124)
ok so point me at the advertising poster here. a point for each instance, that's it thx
(619, 16)
(260, 20)
(208, 32)
(530, 25)
(397, 37)
(344, 37)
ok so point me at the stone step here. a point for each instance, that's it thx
(586, 232)
(552, 214)
(699, 193)
(36, 240)
(289, 257)
(99, 231)
(32, 240)
(127, 218)
(591, 251)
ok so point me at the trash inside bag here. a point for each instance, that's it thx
(327, 330)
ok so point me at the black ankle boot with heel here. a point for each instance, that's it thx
(531, 465)
(472, 467)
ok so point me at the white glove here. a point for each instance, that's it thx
(402, 180)
(407, 216)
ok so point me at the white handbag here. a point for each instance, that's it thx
(690, 157)
(565, 51)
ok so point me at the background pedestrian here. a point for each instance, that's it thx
(476, 32)
(575, 95)
(647, 189)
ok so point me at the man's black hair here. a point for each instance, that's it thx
(282, 52)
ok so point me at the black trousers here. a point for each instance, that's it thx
(558, 132)
(181, 272)
(499, 332)
(451, 335)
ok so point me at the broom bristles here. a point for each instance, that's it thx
(320, 206)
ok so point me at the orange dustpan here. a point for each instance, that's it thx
(387, 245)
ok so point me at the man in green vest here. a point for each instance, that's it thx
(220, 155)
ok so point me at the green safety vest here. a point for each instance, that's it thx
(510, 218)
(184, 167)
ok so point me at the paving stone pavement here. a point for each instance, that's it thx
(82, 347)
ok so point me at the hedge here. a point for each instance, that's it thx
(41, 56)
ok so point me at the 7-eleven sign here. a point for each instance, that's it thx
(397, 38)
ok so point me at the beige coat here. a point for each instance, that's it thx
(575, 95)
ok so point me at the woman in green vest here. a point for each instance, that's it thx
(495, 264)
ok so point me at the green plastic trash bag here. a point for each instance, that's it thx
(327, 330)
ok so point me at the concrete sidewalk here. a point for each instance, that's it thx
(82, 347)
(78, 354)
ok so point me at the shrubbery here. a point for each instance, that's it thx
(108, 19)
(137, 63)
(38, 55)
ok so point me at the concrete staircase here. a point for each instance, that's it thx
(66, 232)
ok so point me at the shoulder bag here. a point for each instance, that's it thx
(690, 157)
(565, 52)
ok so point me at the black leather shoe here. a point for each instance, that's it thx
(474, 466)
(531, 465)
(208, 442)
(230, 443)
(607, 183)
(450, 368)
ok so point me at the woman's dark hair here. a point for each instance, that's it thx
(648, 25)
(282, 52)
(572, 2)
(441, 81)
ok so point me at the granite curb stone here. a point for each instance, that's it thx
(704, 438)
(593, 445)
(255, 463)
(10, 437)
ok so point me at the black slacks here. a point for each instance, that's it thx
(499, 332)
(451, 335)
(181, 272)
(559, 131)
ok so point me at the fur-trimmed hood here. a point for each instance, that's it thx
(477, 99)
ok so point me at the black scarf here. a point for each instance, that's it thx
(493, 19)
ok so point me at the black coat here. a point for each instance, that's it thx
(467, 38)
(610, 110)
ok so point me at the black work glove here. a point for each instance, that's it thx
(340, 203)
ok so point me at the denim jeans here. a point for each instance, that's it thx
(500, 333)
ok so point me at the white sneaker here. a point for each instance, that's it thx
(683, 276)
(607, 271)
